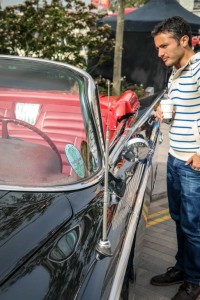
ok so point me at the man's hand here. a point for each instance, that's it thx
(195, 161)
(159, 114)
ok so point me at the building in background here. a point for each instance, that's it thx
(192, 5)
(100, 3)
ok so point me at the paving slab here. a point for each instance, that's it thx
(158, 253)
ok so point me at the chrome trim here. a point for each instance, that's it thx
(63, 188)
(85, 74)
(126, 202)
(126, 248)
(90, 94)
(161, 138)
(96, 117)
(90, 84)
(124, 139)
(89, 80)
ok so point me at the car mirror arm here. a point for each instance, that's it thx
(136, 149)
(117, 185)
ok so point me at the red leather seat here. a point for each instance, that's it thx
(62, 122)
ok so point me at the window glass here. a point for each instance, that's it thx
(196, 4)
(45, 122)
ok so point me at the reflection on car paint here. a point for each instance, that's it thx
(128, 200)
(51, 218)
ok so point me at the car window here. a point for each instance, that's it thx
(47, 132)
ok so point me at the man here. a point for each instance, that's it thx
(173, 42)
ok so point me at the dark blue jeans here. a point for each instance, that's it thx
(183, 185)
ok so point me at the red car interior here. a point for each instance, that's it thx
(60, 117)
(119, 107)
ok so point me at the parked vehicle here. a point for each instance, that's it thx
(76, 174)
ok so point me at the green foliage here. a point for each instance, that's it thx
(128, 3)
(103, 87)
(69, 31)
(135, 3)
(138, 88)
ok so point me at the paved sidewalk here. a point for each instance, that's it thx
(159, 247)
(158, 253)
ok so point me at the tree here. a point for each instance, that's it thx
(119, 44)
(118, 50)
(127, 3)
(135, 3)
(68, 31)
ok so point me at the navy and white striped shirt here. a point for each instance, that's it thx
(184, 90)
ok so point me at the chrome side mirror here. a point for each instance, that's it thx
(136, 149)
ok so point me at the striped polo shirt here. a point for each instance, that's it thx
(184, 90)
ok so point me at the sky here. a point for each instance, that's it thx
(12, 2)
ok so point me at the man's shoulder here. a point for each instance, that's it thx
(195, 59)
(196, 56)
(195, 66)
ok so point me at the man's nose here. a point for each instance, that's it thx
(160, 52)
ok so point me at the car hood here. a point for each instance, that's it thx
(27, 222)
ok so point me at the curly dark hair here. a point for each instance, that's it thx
(177, 26)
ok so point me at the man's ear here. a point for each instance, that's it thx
(184, 41)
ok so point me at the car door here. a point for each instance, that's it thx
(131, 176)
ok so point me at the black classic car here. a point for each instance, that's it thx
(76, 174)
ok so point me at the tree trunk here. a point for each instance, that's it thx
(118, 49)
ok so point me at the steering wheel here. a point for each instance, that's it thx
(45, 137)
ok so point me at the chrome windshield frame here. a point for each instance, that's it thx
(90, 90)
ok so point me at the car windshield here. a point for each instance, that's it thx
(47, 132)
